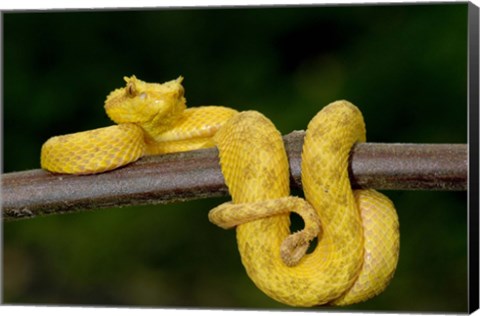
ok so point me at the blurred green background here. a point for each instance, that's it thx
(404, 66)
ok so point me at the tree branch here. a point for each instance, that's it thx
(196, 174)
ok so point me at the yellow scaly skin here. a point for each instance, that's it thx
(358, 240)
(152, 119)
(357, 232)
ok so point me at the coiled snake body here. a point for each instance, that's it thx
(357, 231)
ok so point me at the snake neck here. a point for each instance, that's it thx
(161, 123)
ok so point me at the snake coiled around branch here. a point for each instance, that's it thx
(357, 232)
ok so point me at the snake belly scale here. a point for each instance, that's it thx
(357, 232)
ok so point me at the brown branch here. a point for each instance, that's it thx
(197, 174)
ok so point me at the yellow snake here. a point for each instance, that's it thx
(357, 231)
(152, 119)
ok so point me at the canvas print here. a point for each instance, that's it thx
(144, 164)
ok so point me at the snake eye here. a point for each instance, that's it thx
(130, 89)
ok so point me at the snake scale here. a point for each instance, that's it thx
(356, 232)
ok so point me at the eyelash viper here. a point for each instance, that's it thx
(357, 231)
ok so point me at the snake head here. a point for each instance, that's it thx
(146, 103)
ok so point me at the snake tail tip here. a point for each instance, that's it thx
(294, 248)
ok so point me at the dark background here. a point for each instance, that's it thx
(404, 66)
